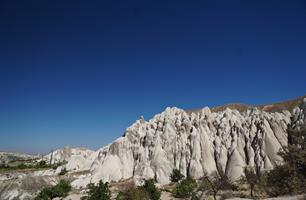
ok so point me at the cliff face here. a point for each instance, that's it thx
(197, 143)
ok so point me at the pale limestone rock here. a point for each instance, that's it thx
(78, 159)
(198, 143)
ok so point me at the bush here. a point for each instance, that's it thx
(150, 187)
(41, 164)
(213, 184)
(22, 166)
(185, 188)
(176, 176)
(98, 192)
(60, 190)
(63, 171)
(282, 180)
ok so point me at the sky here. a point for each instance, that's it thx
(78, 73)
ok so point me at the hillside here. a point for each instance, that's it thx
(272, 107)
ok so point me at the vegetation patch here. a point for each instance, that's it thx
(176, 176)
(98, 192)
(30, 166)
(60, 190)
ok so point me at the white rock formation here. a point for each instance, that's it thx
(78, 159)
(197, 143)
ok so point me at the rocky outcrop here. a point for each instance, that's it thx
(23, 186)
(299, 115)
(196, 143)
(76, 159)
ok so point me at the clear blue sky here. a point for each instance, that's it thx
(79, 72)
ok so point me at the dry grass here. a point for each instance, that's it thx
(273, 107)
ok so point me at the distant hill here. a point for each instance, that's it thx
(273, 107)
(7, 157)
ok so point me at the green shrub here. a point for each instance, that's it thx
(41, 164)
(63, 171)
(29, 165)
(185, 188)
(98, 192)
(176, 176)
(22, 166)
(60, 190)
(150, 187)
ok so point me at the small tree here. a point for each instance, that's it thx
(251, 178)
(214, 184)
(185, 188)
(211, 184)
(176, 176)
(150, 187)
(98, 192)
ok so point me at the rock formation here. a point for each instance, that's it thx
(197, 143)
(77, 159)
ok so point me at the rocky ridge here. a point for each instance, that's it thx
(197, 143)
(76, 159)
